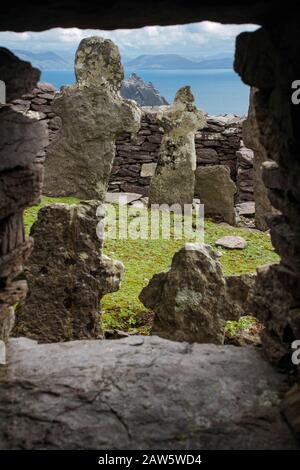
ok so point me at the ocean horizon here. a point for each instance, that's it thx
(216, 91)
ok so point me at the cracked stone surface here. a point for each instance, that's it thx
(141, 393)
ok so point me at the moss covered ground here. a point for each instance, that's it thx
(143, 258)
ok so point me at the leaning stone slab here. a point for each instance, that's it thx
(67, 276)
(93, 114)
(216, 191)
(231, 242)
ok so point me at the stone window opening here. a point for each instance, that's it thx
(267, 60)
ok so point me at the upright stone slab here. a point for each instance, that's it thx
(66, 275)
(93, 115)
(251, 138)
(190, 299)
(174, 178)
(216, 191)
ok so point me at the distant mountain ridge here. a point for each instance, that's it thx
(46, 60)
(53, 61)
(174, 61)
(144, 94)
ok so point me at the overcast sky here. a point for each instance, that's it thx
(194, 40)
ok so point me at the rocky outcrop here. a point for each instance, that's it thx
(189, 300)
(66, 275)
(140, 393)
(134, 88)
(216, 191)
(174, 178)
(251, 138)
(93, 115)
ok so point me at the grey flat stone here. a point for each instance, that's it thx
(121, 198)
(246, 209)
(140, 393)
(2, 353)
(224, 120)
(148, 169)
(231, 242)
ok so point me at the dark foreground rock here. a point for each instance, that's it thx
(139, 393)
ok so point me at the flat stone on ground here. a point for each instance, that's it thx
(121, 198)
(140, 393)
(232, 242)
(246, 209)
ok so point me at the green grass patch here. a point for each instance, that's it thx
(30, 215)
(143, 258)
(233, 327)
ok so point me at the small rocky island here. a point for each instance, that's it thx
(134, 88)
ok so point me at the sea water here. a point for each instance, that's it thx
(217, 91)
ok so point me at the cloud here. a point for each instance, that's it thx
(224, 32)
(198, 39)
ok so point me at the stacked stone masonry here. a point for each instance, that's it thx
(21, 179)
(219, 143)
(137, 155)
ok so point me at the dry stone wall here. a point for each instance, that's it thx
(218, 143)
